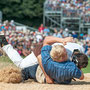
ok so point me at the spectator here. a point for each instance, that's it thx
(60, 33)
(81, 36)
(46, 31)
(55, 32)
(74, 35)
(39, 37)
(41, 28)
(65, 32)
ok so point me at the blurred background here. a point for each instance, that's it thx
(26, 23)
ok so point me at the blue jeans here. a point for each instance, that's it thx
(29, 72)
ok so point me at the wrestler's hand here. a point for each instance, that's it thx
(49, 80)
(67, 39)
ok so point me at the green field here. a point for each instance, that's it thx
(7, 60)
(87, 70)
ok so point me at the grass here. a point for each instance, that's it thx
(87, 70)
(7, 60)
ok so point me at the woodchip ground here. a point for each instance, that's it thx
(31, 85)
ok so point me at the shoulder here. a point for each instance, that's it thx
(46, 47)
(76, 46)
(72, 46)
(57, 44)
(70, 43)
(45, 52)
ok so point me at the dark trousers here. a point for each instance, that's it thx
(29, 72)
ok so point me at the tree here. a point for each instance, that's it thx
(24, 11)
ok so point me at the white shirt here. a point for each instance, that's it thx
(39, 37)
(70, 48)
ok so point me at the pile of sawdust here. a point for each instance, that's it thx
(10, 75)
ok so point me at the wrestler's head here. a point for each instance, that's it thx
(58, 53)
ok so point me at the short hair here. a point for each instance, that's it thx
(57, 52)
(82, 60)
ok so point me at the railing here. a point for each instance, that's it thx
(28, 27)
(85, 19)
(71, 13)
(0, 16)
(52, 7)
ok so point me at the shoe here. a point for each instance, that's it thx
(3, 40)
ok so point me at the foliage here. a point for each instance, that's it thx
(24, 10)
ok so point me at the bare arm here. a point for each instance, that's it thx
(24, 52)
(50, 40)
(82, 76)
(48, 79)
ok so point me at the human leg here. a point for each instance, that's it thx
(13, 54)
(40, 77)
(30, 60)
(33, 72)
(29, 72)
(16, 75)
(17, 59)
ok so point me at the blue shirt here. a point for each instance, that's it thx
(46, 31)
(61, 72)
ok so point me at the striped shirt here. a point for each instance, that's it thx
(61, 72)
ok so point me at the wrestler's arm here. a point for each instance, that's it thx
(48, 79)
(82, 76)
(49, 40)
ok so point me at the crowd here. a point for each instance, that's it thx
(24, 41)
(82, 39)
(71, 8)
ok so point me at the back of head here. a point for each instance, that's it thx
(58, 53)
(82, 60)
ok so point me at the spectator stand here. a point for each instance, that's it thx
(52, 14)
(85, 18)
(67, 14)
(71, 20)
(25, 27)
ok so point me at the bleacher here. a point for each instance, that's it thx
(57, 16)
